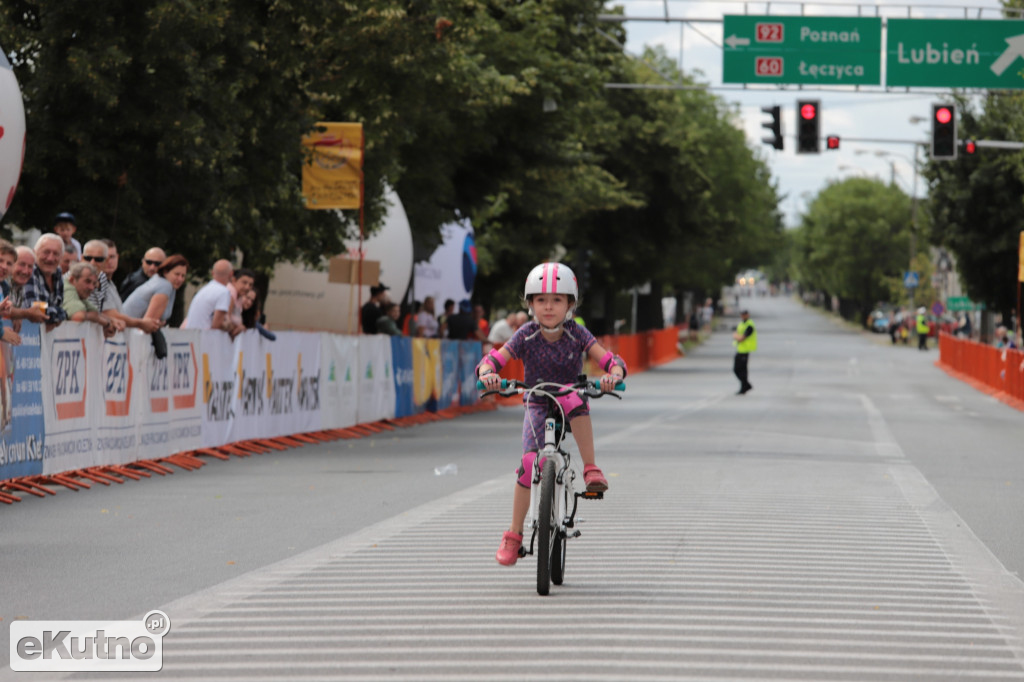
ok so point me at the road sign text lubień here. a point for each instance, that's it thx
(802, 50)
(955, 53)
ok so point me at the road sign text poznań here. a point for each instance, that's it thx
(802, 50)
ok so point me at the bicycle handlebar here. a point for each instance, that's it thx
(510, 387)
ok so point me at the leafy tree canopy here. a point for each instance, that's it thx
(854, 238)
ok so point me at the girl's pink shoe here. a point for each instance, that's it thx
(595, 480)
(508, 553)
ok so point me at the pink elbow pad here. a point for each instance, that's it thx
(494, 359)
(610, 360)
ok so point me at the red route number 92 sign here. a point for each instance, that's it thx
(769, 33)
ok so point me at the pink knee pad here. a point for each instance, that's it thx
(525, 470)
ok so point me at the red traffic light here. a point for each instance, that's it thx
(832, 142)
(970, 147)
(808, 111)
(943, 115)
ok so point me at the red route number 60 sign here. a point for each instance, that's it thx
(768, 66)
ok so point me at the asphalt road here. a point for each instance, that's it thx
(858, 515)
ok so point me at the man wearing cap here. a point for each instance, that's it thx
(745, 340)
(373, 308)
(922, 329)
(151, 260)
(65, 226)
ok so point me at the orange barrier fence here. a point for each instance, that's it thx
(996, 371)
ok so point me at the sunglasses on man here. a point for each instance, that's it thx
(98, 259)
(151, 262)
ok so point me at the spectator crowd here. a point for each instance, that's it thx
(381, 315)
(61, 279)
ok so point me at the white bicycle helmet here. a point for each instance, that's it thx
(551, 278)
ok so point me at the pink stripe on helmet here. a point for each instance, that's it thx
(546, 284)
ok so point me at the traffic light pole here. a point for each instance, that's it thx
(913, 224)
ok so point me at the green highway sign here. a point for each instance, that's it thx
(955, 53)
(802, 50)
(957, 303)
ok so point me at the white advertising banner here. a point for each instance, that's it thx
(290, 381)
(376, 379)
(71, 357)
(116, 425)
(255, 388)
(217, 353)
(170, 414)
(339, 380)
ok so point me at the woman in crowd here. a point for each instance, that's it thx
(155, 298)
(252, 315)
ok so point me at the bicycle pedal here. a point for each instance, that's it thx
(592, 496)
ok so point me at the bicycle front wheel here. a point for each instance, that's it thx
(547, 527)
(558, 548)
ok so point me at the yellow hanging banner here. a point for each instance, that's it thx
(332, 167)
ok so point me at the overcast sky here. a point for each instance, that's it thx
(870, 113)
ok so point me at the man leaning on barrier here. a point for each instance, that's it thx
(20, 275)
(45, 289)
(81, 283)
(151, 260)
(105, 297)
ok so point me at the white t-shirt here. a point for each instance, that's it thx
(501, 332)
(212, 297)
(428, 323)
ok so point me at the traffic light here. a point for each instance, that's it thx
(775, 126)
(970, 147)
(808, 125)
(943, 131)
(832, 142)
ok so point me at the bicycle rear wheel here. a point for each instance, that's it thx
(547, 527)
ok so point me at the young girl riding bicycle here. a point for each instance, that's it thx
(551, 348)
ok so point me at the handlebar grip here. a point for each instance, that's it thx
(480, 385)
(621, 386)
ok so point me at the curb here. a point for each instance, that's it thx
(41, 485)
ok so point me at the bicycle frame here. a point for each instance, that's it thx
(565, 475)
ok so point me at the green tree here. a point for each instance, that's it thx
(853, 239)
(976, 203)
(709, 207)
(167, 123)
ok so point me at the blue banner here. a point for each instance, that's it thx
(470, 353)
(401, 361)
(21, 406)
(449, 374)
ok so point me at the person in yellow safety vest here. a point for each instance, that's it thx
(745, 340)
(922, 329)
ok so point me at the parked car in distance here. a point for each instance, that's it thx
(879, 322)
